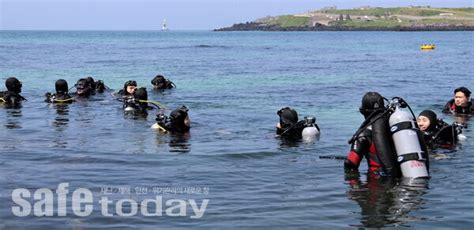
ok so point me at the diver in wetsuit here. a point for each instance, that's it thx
(160, 82)
(364, 144)
(461, 104)
(137, 104)
(61, 95)
(436, 132)
(84, 88)
(290, 129)
(128, 89)
(177, 122)
(97, 86)
(288, 126)
(12, 97)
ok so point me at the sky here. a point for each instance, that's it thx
(179, 14)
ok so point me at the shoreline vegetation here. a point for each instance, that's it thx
(413, 18)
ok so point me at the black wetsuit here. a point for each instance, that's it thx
(363, 146)
(451, 107)
(10, 98)
(442, 135)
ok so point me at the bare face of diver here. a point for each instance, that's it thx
(81, 89)
(423, 122)
(131, 89)
(460, 99)
(187, 121)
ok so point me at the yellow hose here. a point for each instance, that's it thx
(154, 103)
(65, 100)
(2, 100)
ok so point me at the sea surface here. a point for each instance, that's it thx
(233, 83)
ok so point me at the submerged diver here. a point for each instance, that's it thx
(137, 104)
(291, 129)
(160, 82)
(461, 104)
(12, 96)
(177, 122)
(61, 95)
(436, 132)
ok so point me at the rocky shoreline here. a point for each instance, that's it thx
(256, 26)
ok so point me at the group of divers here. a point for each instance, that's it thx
(393, 140)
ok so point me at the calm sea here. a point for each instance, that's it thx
(233, 83)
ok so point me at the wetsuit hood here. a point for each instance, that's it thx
(159, 79)
(127, 84)
(83, 87)
(372, 101)
(288, 117)
(141, 95)
(177, 119)
(61, 86)
(13, 85)
(432, 117)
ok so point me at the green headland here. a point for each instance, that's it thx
(415, 18)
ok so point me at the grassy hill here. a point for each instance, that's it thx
(368, 18)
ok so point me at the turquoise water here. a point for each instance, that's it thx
(233, 83)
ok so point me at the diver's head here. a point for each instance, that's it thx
(179, 118)
(61, 86)
(427, 120)
(461, 96)
(129, 87)
(371, 102)
(83, 87)
(288, 117)
(90, 80)
(13, 85)
(158, 81)
(140, 96)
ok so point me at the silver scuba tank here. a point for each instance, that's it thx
(310, 133)
(128, 109)
(407, 144)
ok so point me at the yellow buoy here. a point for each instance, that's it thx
(428, 47)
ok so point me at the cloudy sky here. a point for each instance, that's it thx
(180, 14)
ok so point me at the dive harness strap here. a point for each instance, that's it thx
(402, 126)
(417, 156)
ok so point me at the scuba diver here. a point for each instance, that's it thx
(61, 95)
(390, 140)
(87, 87)
(160, 82)
(461, 104)
(97, 86)
(137, 104)
(177, 122)
(128, 89)
(12, 97)
(436, 132)
(290, 128)
(84, 88)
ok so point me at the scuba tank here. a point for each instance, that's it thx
(311, 131)
(407, 140)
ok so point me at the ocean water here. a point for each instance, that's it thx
(233, 83)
